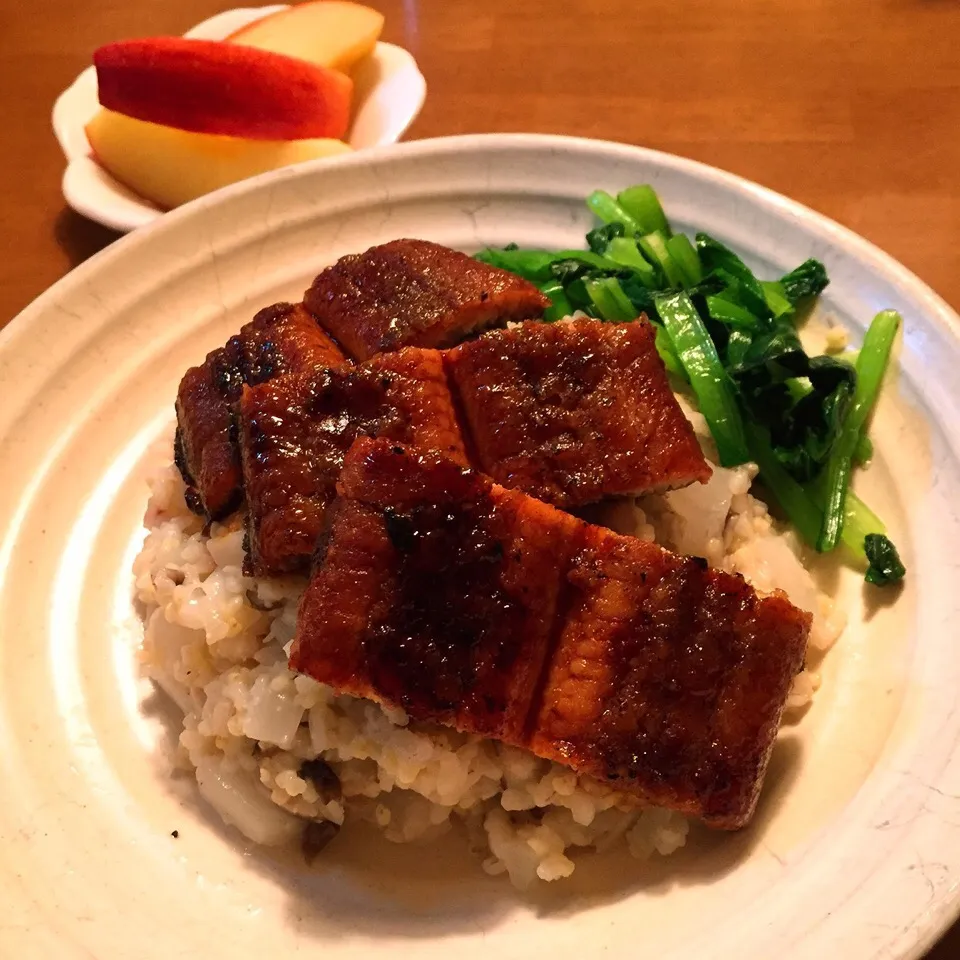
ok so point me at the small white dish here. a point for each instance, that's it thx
(389, 92)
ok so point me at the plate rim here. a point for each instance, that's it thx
(481, 142)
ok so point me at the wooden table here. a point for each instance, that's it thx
(851, 107)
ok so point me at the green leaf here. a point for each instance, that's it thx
(569, 264)
(560, 305)
(684, 255)
(533, 265)
(624, 251)
(808, 280)
(714, 391)
(727, 311)
(610, 300)
(871, 366)
(667, 354)
(776, 298)
(863, 453)
(654, 246)
(599, 238)
(794, 500)
(716, 257)
(643, 204)
(885, 564)
(609, 211)
(738, 345)
(803, 506)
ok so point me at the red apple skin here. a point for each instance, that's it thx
(206, 86)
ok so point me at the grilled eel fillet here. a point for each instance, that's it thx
(296, 429)
(280, 339)
(470, 605)
(573, 412)
(568, 413)
(403, 293)
(413, 293)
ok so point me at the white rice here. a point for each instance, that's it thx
(217, 643)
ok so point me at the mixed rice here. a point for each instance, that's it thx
(285, 759)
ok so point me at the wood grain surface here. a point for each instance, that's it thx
(849, 106)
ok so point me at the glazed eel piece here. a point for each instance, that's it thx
(402, 293)
(569, 413)
(296, 429)
(414, 293)
(481, 608)
(573, 412)
(279, 339)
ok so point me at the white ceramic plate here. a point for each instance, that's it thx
(389, 91)
(855, 852)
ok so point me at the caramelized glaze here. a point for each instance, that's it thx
(280, 339)
(415, 293)
(295, 430)
(572, 412)
(484, 609)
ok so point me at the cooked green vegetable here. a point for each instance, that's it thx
(807, 280)
(714, 391)
(858, 519)
(722, 308)
(667, 354)
(871, 366)
(609, 211)
(627, 253)
(586, 258)
(885, 564)
(775, 294)
(610, 300)
(643, 204)
(599, 238)
(859, 522)
(803, 506)
(533, 265)
(684, 256)
(560, 305)
(722, 261)
(654, 245)
(795, 502)
(733, 338)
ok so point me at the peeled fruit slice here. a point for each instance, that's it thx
(330, 33)
(208, 86)
(169, 166)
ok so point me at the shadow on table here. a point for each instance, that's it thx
(366, 886)
(80, 238)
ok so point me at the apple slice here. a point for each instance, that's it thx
(207, 86)
(330, 33)
(169, 166)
